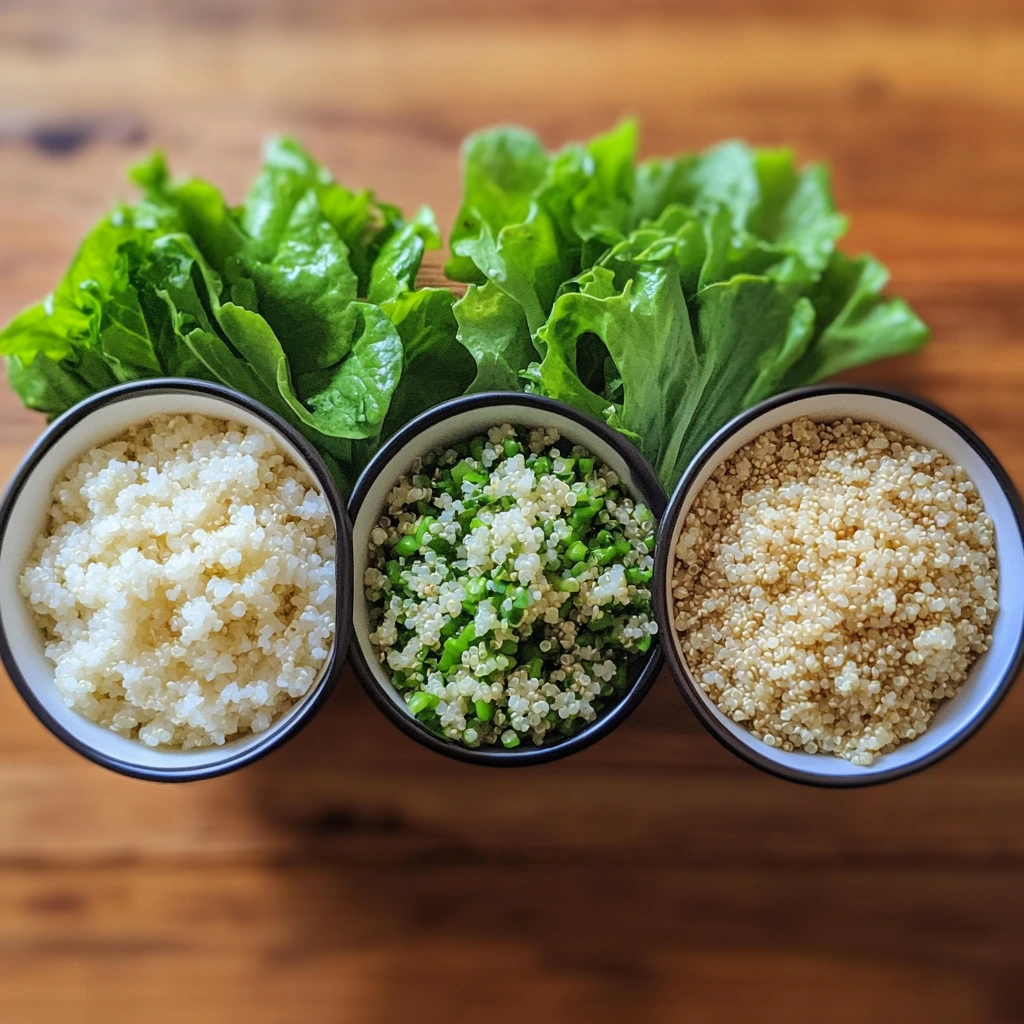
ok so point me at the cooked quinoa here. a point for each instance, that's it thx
(509, 587)
(185, 582)
(834, 583)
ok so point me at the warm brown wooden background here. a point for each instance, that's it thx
(355, 877)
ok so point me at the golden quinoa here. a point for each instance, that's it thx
(833, 583)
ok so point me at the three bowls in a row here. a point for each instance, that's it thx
(96, 420)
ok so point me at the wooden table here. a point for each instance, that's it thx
(355, 877)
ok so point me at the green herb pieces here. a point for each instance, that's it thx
(475, 601)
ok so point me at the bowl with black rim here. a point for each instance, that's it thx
(957, 718)
(23, 516)
(456, 422)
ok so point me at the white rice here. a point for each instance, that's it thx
(185, 582)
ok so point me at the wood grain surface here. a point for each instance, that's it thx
(355, 877)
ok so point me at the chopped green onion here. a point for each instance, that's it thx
(576, 552)
(421, 701)
(432, 603)
(408, 545)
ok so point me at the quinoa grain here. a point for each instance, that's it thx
(185, 583)
(833, 583)
(513, 603)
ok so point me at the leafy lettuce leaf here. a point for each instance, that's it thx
(395, 267)
(493, 329)
(857, 324)
(435, 366)
(529, 221)
(664, 296)
(282, 298)
(288, 173)
(503, 167)
(674, 387)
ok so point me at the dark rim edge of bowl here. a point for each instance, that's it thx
(652, 493)
(63, 425)
(680, 672)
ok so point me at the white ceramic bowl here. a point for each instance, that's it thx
(993, 673)
(24, 514)
(451, 423)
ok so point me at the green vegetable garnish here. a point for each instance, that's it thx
(303, 297)
(510, 621)
(662, 296)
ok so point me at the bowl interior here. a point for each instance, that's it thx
(455, 428)
(28, 517)
(954, 716)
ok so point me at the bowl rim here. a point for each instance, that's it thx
(653, 494)
(290, 725)
(681, 673)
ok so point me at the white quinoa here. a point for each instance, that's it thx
(185, 582)
(835, 582)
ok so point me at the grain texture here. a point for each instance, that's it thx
(354, 877)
